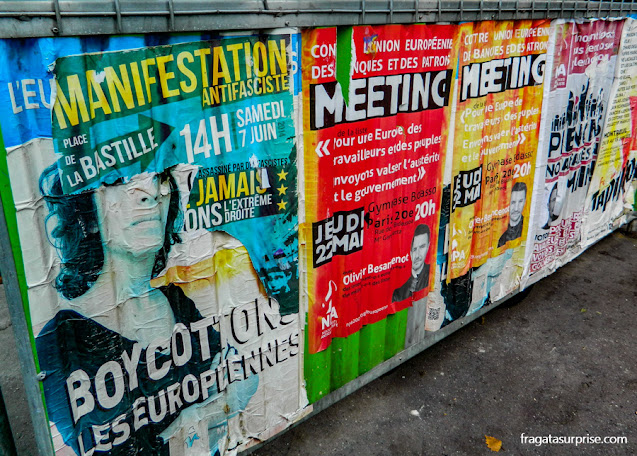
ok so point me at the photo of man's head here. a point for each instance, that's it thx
(419, 248)
(516, 219)
(554, 206)
(419, 278)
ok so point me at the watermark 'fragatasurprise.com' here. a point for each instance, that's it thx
(539, 440)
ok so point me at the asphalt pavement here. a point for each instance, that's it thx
(558, 365)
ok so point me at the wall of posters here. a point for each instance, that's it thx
(215, 231)
(494, 141)
(580, 68)
(162, 324)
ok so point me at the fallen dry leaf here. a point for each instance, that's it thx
(493, 443)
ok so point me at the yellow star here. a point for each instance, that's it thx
(282, 175)
(282, 190)
(282, 205)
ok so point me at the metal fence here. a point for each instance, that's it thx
(39, 18)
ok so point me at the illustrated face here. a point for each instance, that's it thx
(278, 281)
(132, 216)
(518, 199)
(418, 252)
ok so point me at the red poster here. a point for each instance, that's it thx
(373, 118)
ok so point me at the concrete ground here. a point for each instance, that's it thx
(12, 386)
(562, 362)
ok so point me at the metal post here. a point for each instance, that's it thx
(23, 341)
(58, 18)
(575, 9)
(118, 14)
(532, 10)
(364, 10)
(171, 20)
(7, 447)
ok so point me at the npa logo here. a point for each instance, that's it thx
(457, 255)
(330, 321)
(559, 79)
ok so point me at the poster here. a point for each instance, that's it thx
(616, 165)
(494, 141)
(374, 99)
(580, 70)
(162, 323)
